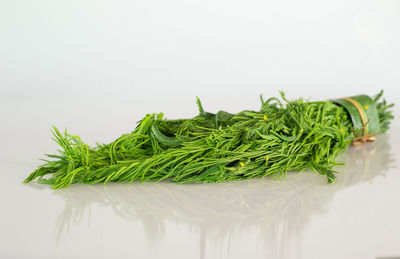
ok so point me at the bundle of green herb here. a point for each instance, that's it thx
(283, 136)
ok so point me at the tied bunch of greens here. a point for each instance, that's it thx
(283, 136)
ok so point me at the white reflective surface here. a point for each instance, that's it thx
(300, 217)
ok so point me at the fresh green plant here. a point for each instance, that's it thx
(283, 136)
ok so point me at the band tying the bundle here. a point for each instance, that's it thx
(364, 115)
(364, 137)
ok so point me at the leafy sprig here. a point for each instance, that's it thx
(283, 136)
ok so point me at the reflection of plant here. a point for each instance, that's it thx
(220, 211)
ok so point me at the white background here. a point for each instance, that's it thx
(97, 67)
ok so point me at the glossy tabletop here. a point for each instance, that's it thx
(299, 217)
